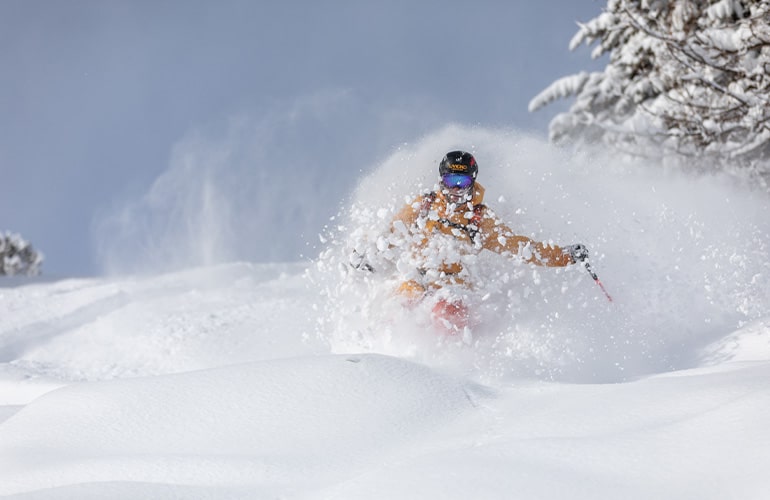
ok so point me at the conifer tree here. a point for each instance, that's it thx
(690, 77)
(17, 256)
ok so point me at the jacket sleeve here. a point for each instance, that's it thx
(406, 216)
(499, 238)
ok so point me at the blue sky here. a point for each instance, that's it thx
(100, 99)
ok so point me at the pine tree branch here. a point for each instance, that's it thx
(672, 42)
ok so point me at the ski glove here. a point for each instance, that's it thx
(358, 261)
(578, 252)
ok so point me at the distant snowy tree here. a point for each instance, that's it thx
(684, 76)
(17, 256)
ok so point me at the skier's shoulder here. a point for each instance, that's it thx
(415, 206)
(480, 208)
(415, 200)
(478, 193)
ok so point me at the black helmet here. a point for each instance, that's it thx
(458, 162)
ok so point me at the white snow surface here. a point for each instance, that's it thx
(307, 380)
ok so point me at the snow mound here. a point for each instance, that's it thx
(750, 343)
(19, 386)
(151, 325)
(652, 438)
(262, 420)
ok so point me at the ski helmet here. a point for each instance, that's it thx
(458, 162)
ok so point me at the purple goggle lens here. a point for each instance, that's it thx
(461, 181)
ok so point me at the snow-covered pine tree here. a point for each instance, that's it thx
(685, 76)
(17, 256)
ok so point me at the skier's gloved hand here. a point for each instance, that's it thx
(578, 252)
(358, 261)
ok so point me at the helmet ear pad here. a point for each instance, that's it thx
(458, 162)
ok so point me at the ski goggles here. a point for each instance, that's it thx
(462, 181)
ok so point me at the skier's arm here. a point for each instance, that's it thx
(400, 224)
(406, 216)
(501, 239)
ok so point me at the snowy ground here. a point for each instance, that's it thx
(211, 384)
(278, 381)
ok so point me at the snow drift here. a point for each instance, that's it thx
(265, 421)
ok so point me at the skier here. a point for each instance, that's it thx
(457, 211)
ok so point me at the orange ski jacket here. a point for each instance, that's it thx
(478, 226)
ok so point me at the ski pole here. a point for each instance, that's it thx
(596, 279)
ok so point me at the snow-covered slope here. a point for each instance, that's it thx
(302, 380)
(212, 384)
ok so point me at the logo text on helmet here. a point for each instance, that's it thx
(458, 167)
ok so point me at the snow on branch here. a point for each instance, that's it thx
(17, 257)
(687, 78)
(725, 10)
(561, 88)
